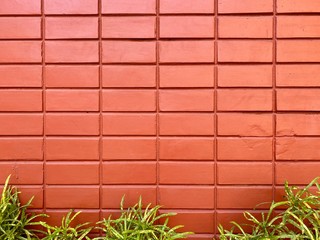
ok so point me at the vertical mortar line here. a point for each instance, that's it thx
(157, 102)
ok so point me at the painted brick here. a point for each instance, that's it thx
(112, 195)
(128, 76)
(128, 27)
(21, 7)
(186, 100)
(304, 99)
(298, 124)
(186, 149)
(21, 148)
(245, 173)
(129, 148)
(21, 124)
(128, 51)
(71, 7)
(128, 6)
(247, 27)
(243, 197)
(20, 76)
(296, 6)
(72, 124)
(245, 76)
(186, 173)
(245, 125)
(129, 100)
(185, 76)
(245, 149)
(187, 197)
(129, 124)
(28, 192)
(72, 148)
(71, 51)
(22, 172)
(186, 51)
(187, 6)
(245, 51)
(298, 50)
(298, 149)
(71, 27)
(72, 173)
(72, 197)
(245, 6)
(71, 76)
(20, 27)
(187, 27)
(20, 100)
(20, 52)
(82, 100)
(245, 100)
(129, 173)
(186, 124)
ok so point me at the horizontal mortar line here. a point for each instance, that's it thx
(21, 88)
(240, 39)
(305, 38)
(246, 14)
(20, 39)
(298, 87)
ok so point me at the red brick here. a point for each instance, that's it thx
(20, 76)
(129, 173)
(129, 100)
(129, 124)
(72, 100)
(28, 192)
(201, 236)
(128, 27)
(128, 6)
(186, 197)
(298, 124)
(243, 197)
(22, 172)
(297, 6)
(298, 148)
(186, 173)
(71, 76)
(245, 124)
(20, 100)
(187, 6)
(71, 51)
(72, 124)
(186, 148)
(245, 100)
(187, 27)
(298, 50)
(21, 7)
(21, 124)
(21, 149)
(20, 52)
(72, 148)
(72, 173)
(128, 51)
(245, 6)
(129, 148)
(245, 173)
(71, 27)
(72, 197)
(246, 27)
(245, 51)
(186, 124)
(128, 76)
(71, 7)
(245, 149)
(186, 100)
(298, 99)
(187, 51)
(187, 76)
(20, 27)
(296, 172)
(112, 195)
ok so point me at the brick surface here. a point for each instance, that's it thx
(245, 6)
(20, 27)
(20, 52)
(71, 7)
(21, 124)
(20, 76)
(187, 6)
(20, 100)
(128, 6)
(296, 6)
(21, 7)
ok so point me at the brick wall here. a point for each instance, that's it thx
(205, 107)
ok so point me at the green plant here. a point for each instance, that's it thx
(298, 218)
(15, 222)
(137, 223)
